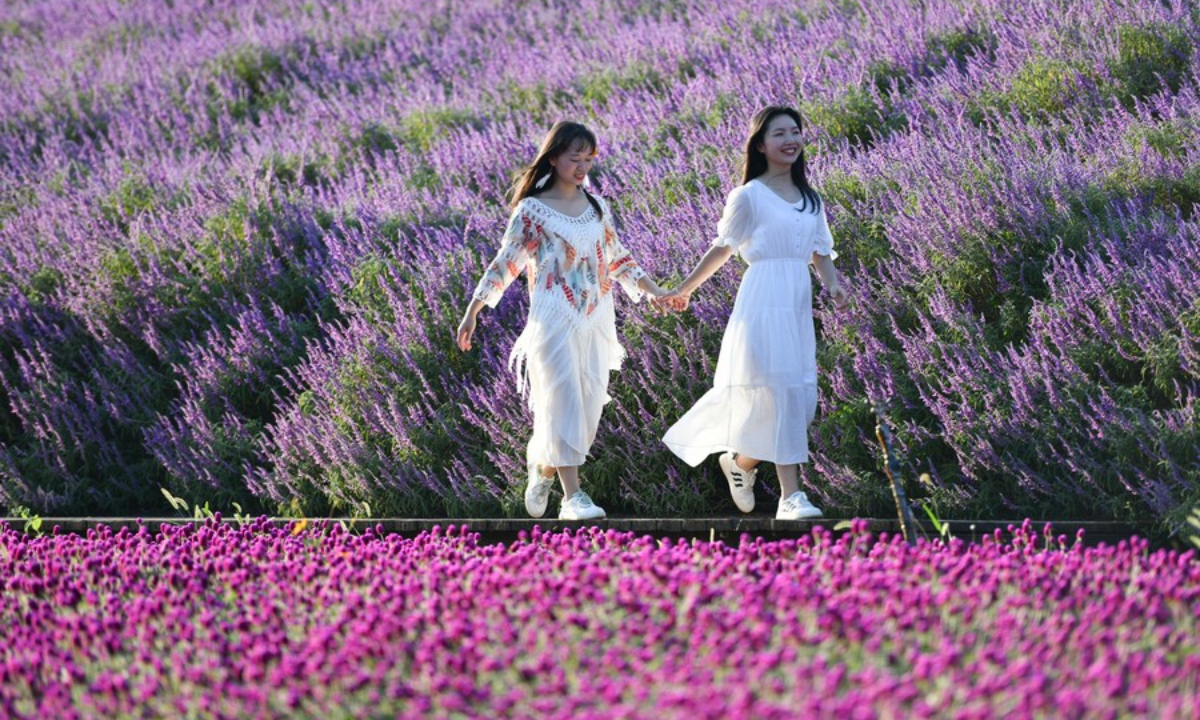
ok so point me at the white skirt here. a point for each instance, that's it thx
(565, 360)
(764, 393)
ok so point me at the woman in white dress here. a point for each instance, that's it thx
(764, 393)
(562, 237)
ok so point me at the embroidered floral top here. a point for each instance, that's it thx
(568, 260)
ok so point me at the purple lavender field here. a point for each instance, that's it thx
(218, 621)
(235, 239)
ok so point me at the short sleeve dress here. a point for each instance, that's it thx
(569, 343)
(764, 393)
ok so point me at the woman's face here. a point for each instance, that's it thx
(573, 165)
(781, 141)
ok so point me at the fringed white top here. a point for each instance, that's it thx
(571, 263)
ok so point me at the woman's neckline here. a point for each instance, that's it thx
(549, 207)
(781, 199)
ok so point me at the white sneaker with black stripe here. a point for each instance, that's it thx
(741, 482)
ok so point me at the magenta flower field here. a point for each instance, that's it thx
(259, 621)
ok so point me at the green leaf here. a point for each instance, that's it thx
(938, 525)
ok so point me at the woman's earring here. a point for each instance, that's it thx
(541, 183)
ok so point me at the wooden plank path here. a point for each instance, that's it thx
(728, 529)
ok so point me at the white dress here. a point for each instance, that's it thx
(764, 393)
(569, 343)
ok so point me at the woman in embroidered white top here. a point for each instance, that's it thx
(562, 237)
(764, 393)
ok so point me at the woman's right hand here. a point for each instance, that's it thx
(466, 329)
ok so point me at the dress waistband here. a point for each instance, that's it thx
(793, 259)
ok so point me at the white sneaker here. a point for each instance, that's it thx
(741, 482)
(797, 507)
(580, 507)
(537, 491)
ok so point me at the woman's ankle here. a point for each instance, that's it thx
(744, 463)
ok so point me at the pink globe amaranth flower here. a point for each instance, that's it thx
(455, 617)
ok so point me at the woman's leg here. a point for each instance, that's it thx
(787, 480)
(746, 463)
(793, 504)
(569, 477)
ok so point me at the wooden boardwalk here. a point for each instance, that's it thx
(727, 528)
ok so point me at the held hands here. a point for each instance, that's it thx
(675, 300)
(672, 300)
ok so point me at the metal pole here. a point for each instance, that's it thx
(892, 467)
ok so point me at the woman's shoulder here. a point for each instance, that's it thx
(744, 192)
(742, 197)
(530, 207)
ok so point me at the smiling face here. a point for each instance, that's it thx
(781, 143)
(573, 165)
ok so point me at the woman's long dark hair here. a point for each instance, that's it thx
(563, 137)
(756, 161)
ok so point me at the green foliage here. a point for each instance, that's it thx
(959, 46)
(367, 292)
(888, 77)
(81, 122)
(1192, 531)
(1043, 86)
(424, 178)
(43, 284)
(203, 512)
(1171, 138)
(940, 527)
(293, 171)
(253, 107)
(660, 10)
(857, 116)
(538, 101)
(33, 521)
(597, 87)
(678, 188)
(861, 237)
(420, 129)
(14, 200)
(121, 271)
(255, 67)
(377, 139)
(1151, 57)
(133, 196)
(12, 29)
(259, 80)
